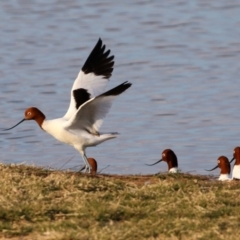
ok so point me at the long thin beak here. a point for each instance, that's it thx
(154, 163)
(14, 125)
(211, 169)
(232, 159)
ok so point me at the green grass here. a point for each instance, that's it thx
(41, 204)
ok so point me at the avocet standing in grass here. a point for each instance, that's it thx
(89, 104)
(170, 158)
(236, 167)
(224, 165)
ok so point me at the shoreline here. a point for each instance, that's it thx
(37, 203)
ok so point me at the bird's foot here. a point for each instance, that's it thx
(86, 169)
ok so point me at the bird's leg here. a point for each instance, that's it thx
(84, 160)
(88, 166)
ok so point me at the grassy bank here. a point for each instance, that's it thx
(42, 204)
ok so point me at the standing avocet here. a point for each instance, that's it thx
(170, 158)
(89, 104)
(224, 165)
(236, 167)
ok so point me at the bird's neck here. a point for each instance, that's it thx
(237, 161)
(172, 164)
(40, 119)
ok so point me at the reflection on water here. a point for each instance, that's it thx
(183, 61)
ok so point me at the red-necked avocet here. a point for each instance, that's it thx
(236, 167)
(89, 104)
(170, 158)
(225, 167)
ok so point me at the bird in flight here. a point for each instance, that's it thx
(89, 105)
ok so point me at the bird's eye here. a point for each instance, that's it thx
(163, 154)
(29, 113)
(218, 161)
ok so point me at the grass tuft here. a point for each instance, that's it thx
(36, 203)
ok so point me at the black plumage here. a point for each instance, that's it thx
(80, 95)
(99, 62)
(117, 90)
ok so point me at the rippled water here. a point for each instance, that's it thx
(183, 59)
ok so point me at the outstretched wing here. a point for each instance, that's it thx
(92, 78)
(91, 114)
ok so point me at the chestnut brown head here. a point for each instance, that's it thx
(93, 164)
(224, 164)
(31, 113)
(168, 156)
(236, 155)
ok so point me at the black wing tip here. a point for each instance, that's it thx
(118, 90)
(126, 83)
(99, 62)
(124, 86)
(99, 43)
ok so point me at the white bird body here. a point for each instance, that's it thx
(224, 177)
(236, 172)
(77, 138)
(236, 167)
(89, 105)
(173, 170)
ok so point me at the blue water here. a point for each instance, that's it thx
(183, 59)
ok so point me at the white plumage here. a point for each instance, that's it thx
(173, 170)
(236, 172)
(224, 177)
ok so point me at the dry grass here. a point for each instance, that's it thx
(43, 204)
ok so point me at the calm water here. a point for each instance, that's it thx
(183, 59)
